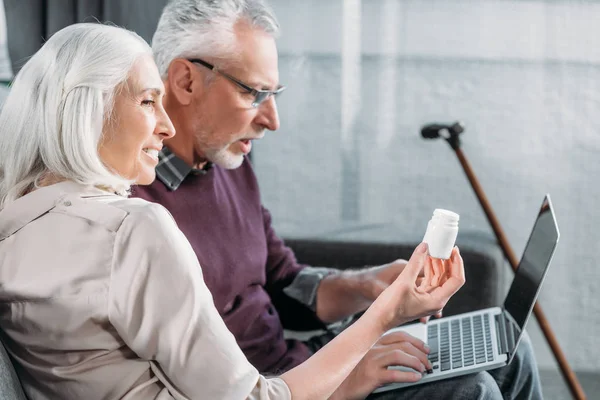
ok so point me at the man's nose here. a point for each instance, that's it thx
(267, 116)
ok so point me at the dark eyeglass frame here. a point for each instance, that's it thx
(259, 95)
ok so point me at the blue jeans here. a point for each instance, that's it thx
(519, 380)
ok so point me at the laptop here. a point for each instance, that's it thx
(487, 339)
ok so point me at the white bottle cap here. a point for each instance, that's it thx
(446, 214)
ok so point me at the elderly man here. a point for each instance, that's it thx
(218, 60)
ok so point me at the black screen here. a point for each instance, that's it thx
(533, 265)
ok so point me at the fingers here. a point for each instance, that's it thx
(399, 337)
(419, 353)
(416, 263)
(445, 272)
(408, 344)
(438, 271)
(427, 318)
(393, 375)
(455, 280)
(401, 358)
(428, 273)
(457, 268)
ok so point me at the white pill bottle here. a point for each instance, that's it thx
(441, 233)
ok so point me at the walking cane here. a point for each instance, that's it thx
(451, 134)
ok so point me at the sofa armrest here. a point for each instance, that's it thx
(485, 268)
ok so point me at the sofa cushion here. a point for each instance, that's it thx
(10, 387)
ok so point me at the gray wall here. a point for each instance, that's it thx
(524, 76)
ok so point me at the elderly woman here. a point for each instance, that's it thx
(102, 296)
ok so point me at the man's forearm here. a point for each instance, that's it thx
(335, 295)
(341, 295)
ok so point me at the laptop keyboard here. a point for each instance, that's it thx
(460, 343)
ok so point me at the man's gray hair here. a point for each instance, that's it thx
(205, 28)
(53, 118)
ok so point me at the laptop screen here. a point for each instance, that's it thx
(533, 265)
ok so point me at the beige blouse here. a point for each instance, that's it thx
(102, 297)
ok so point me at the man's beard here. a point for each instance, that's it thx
(224, 158)
(221, 156)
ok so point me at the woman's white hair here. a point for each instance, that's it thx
(53, 117)
(201, 28)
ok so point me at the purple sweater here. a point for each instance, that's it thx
(245, 265)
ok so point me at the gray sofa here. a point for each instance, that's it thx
(10, 387)
(30, 21)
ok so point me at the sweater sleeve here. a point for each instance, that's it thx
(282, 270)
(161, 307)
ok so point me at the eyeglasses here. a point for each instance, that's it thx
(259, 95)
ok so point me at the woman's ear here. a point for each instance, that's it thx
(181, 81)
